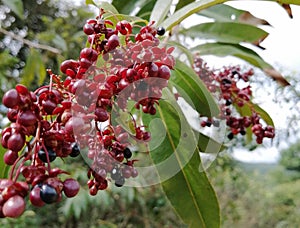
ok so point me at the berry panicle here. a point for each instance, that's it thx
(67, 116)
(224, 83)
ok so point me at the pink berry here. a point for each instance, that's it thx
(14, 207)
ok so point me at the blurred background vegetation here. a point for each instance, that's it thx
(250, 195)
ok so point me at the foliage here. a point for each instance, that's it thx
(246, 190)
(290, 157)
(59, 37)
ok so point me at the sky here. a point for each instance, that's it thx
(282, 45)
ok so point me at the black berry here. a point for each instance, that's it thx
(43, 156)
(120, 182)
(230, 136)
(160, 31)
(75, 150)
(115, 174)
(127, 153)
(48, 194)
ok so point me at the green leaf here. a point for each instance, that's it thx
(183, 49)
(109, 8)
(188, 189)
(119, 17)
(223, 13)
(294, 2)
(209, 145)
(160, 10)
(246, 54)
(224, 49)
(226, 32)
(3, 167)
(146, 9)
(264, 115)
(91, 2)
(16, 6)
(129, 7)
(193, 90)
(187, 11)
(183, 3)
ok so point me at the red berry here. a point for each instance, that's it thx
(16, 142)
(113, 42)
(35, 198)
(89, 54)
(27, 118)
(71, 187)
(10, 157)
(14, 207)
(88, 29)
(164, 72)
(48, 106)
(101, 114)
(11, 98)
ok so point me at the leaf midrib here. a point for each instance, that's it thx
(181, 167)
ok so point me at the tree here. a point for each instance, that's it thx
(120, 96)
(290, 157)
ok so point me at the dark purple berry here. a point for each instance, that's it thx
(127, 153)
(120, 182)
(43, 156)
(75, 150)
(160, 31)
(48, 194)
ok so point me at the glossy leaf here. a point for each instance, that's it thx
(292, 2)
(187, 11)
(226, 13)
(246, 54)
(160, 10)
(91, 2)
(182, 3)
(146, 10)
(119, 17)
(182, 50)
(109, 8)
(227, 32)
(209, 145)
(129, 7)
(188, 189)
(16, 6)
(264, 115)
(193, 90)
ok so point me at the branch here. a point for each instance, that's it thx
(30, 43)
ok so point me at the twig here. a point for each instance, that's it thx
(30, 43)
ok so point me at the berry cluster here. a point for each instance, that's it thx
(72, 115)
(230, 86)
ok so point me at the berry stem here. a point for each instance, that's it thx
(11, 174)
(47, 157)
